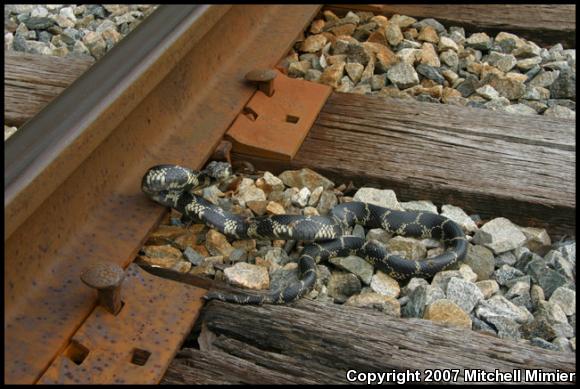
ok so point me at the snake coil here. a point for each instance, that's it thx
(172, 186)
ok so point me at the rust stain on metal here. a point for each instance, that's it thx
(135, 345)
(276, 120)
(85, 204)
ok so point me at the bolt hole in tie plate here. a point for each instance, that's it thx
(135, 345)
(275, 126)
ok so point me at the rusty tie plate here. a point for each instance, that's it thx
(136, 345)
(275, 126)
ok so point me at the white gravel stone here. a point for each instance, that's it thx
(459, 216)
(247, 276)
(382, 197)
(488, 92)
(565, 298)
(385, 285)
(420, 205)
(499, 235)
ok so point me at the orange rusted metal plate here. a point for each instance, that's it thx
(137, 344)
(276, 126)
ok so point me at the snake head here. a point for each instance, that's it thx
(219, 170)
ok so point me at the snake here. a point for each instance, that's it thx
(324, 237)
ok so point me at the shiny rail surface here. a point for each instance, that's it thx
(165, 94)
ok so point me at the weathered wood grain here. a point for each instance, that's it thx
(318, 342)
(487, 162)
(31, 81)
(544, 24)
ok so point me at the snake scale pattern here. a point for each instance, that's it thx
(172, 186)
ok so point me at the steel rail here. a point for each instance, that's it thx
(166, 94)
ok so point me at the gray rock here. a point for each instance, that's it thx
(384, 284)
(507, 87)
(497, 104)
(419, 298)
(459, 216)
(558, 65)
(463, 293)
(450, 58)
(478, 41)
(565, 298)
(305, 178)
(481, 326)
(533, 72)
(299, 69)
(564, 87)
(379, 234)
(39, 23)
(500, 306)
(343, 285)
(488, 287)
(570, 104)
(300, 199)
(409, 248)
(284, 276)
(563, 344)
(499, 235)
(382, 197)
(441, 279)
(357, 53)
(193, 256)
(504, 62)
(412, 285)
(421, 205)
(20, 44)
(537, 295)
(547, 278)
(312, 75)
(551, 311)
(565, 268)
(537, 341)
(519, 294)
(545, 78)
(388, 305)
(481, 261)
(327, 201)
(431, 73)
(524, 257)
(528, 63)
(468, 87)
(488, 92)
(277, 255)
(237, 255)
(247, 276)
(403, 75)
(539, 328)
(354, 71)
(507, 258)
(429, 22)
(568, 250)
(378, 81)
(559, 111)
(536, 93)
(96, 10)
(520, 109)
(506, 273)
(507, 328)
(355, 265)
(426, 98)
(526, 50)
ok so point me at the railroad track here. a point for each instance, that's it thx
(167, 93)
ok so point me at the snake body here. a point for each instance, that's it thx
(172, 185)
